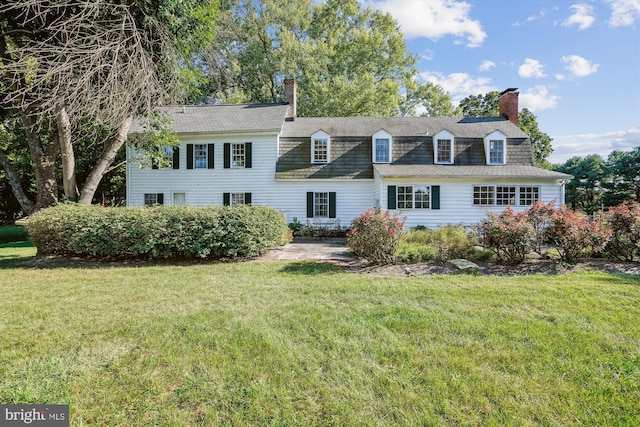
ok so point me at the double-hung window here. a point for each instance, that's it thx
(235, 199)
(382, 150)
(496, 151)
(413, 197)
(320, 147)
(320, 150)
(422, 197)
(152, 199)
(321, 204)
(200, 156)
(237, 153)
(382, 145)
(405, 197)
(443, 152)
(495, 146)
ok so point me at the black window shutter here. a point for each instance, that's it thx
(247, 155)
(332, 204)
(310, 204)
(247, 198)
(210, 156)
(226, 199)
(391, 197)
(176, 157)
(160, 198)
(435, 197)
(189, 156)
(227, 155)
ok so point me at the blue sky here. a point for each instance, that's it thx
(576, 63)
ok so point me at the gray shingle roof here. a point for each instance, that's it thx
(223, 118)
(401, 126)
(456, 171)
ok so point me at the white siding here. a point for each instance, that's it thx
(456, 200)
(206, 186)
(353, 197)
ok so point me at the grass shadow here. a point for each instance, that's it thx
(16, 254)
(310, 268)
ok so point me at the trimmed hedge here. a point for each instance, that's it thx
(157, 232)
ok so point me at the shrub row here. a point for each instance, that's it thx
(157, 232)
(575, 235)
(510, 235)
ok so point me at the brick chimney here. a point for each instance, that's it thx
(508, 104)
(290, 97)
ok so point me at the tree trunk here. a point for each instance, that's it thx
(68, 157)
(106, 159)
(43, 156)
(14, 179)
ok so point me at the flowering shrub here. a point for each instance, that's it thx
(374, 236)
(508, 234)
(575, 235)
(624, 221)
(539, 216)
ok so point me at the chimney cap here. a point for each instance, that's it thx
(511, 89)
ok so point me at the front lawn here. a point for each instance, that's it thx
(303, 343)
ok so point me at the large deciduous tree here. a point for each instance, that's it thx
(347, 60)
(100, 62)
(487, 105)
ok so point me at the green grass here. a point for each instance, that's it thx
(12, 233)
(303, 343)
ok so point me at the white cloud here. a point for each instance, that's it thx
(487, 65)
(433, 19)
(459, 85)
(583, 16)
(532, 18)
(428, 55)
(531, 68)
(579, 66)
(623, 12)
(567, 146)
(538, 98)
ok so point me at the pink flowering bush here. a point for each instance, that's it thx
(576, 236)
(508, 234)
(374, 236)
(624, 221)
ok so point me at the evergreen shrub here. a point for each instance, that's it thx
(157, 232)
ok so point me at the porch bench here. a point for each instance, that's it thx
(331, 224)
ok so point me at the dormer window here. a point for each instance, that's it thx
(381, 143)
(320, 147)
(495, 145)
(443, 152)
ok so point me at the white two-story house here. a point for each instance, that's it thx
(432, 170)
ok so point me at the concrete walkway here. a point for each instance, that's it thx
(308, 249)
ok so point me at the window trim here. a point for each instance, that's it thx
(495, 136)
(320, 136)
(159, 199)
(517, 194)
(414, 200)
(381, 135)
(443, 135)
(331, 204)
